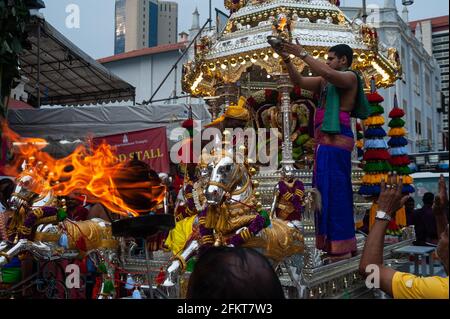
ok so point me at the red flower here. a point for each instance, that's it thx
(374, 154)
(400, 160)
(358, 127)
(188, 124)
(396, 112)
(375, 98)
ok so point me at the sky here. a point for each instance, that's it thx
(95, 34)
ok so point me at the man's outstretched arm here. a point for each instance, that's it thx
(390, 201)
(340, 79)
(312, 84)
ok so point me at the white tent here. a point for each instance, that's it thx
(77, 123)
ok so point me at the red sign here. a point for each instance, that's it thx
(149, 146)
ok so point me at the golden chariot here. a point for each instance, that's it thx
(239, 61)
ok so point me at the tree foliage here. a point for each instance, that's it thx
(14, 20)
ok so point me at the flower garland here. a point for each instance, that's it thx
(376, 156)
(207, 238)
(400, 159)
(189, 209)
(293, 195)
(195, 196)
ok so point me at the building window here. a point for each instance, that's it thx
(430, 131)
(418, 124)
(440, 40)
(428, 88)
(416, 78)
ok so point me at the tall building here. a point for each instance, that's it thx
(419, 90)
(153, 24)
(167, 22)
(433, 33)
(144, 23)
(120, 28)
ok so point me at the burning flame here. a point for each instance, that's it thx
(282, 23)
(94, 172)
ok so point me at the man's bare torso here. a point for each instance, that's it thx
(347, 96)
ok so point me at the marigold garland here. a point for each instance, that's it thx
(374, 121)
(397, 131)
(376, 154)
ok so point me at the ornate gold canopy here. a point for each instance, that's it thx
(318, 24)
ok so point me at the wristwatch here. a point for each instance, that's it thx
(303, 54)
(383, 216)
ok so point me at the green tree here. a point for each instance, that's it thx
(14, 20)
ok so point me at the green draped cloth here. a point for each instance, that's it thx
(11, 275)
(331, 123)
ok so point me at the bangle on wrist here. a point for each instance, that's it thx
(303, 54)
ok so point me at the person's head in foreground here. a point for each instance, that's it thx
(234, 273)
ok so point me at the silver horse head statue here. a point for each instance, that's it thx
(32, 190)
(226, 175)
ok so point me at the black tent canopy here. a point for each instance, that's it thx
(64, 74)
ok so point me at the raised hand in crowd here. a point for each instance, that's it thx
(440, 206)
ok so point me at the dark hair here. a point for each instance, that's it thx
(428, 198)
(342, 50)
(234, 273)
